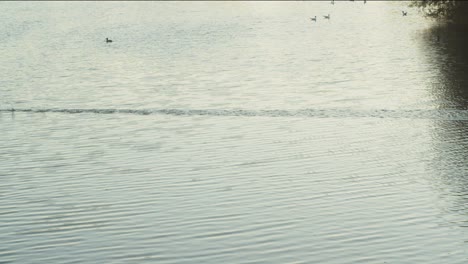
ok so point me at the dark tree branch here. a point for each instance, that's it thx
(444, 10)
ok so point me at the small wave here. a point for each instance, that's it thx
(317, 113)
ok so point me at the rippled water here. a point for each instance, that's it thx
(237, 132)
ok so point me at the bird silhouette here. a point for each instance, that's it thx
(108, 40)
(404, 13)
(314, 18)
(327, 17)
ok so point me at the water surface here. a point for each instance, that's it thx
(237, 132)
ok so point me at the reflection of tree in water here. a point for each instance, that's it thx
(447, 47)
(449, 167)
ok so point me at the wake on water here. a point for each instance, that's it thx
(317, 113)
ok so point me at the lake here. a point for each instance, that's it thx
(236, 132)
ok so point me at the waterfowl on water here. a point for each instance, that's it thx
(314, 18)
(327, 17)
(108, 40)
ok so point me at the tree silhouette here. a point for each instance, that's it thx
(451, 11)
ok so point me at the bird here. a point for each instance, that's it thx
(314, 18)
(404, 13)
(108, 40)
(327, 17)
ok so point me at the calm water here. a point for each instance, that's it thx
(235, 132)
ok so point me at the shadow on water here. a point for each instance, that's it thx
(447, 48)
